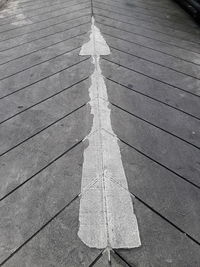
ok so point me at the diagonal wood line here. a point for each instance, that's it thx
(140, 19)
(43, 129)
(38, 22)
(38, 231)
(139, 34)
(23, 6)
(155, 99)
(154, 125)
(41, 170)
(125, 261)
(77, 26)
(38, 15)
(148, 28)
(27, 10)
(162, 165)
(177, 12)
(142, 45)
(36, 39)
(52, 218)
(96, 260)
(45, 99)
(155, 5)
(30, 3)
(148, 15)
(37, 64)
(179, 88)
(166, 219)
(48, 76)
(46, 27)
(152, 62)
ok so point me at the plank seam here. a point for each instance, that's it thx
(156, 40)
(43, 129)
(181, 89)
(162, 165)
(48, 76)
(38, 231)
(38, 172)
(66, 52)
(154, 125)
(153, 62)
(139, 19)
(14, 28)
(20, 27)
(148, 47)
(147, 15)
(27, 11)
(46, 27)
(83, 24)
(45, 99)
(157, 100)
(170, 35)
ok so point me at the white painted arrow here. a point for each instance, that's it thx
(106, 215)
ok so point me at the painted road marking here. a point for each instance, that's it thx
(106, 215)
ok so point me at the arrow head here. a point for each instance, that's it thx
(97, 45)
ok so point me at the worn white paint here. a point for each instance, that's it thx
(12, 10)
(107, 219)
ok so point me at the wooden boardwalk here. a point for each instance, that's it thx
(153, 83)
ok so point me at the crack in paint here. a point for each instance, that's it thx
(106, 212)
